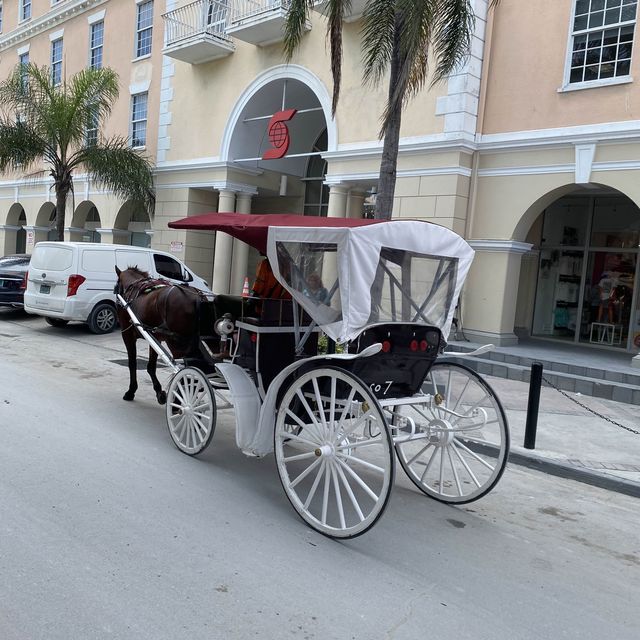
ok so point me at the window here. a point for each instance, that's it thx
(602, 39)
(144, 28)
(91, 136)
(0, 17)
(25, 10)
(23, 60)
(170, 268)
(139, 120)
(96, 40)
(56, 61)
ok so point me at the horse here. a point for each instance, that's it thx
(167, 311)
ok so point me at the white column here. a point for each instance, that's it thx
(355, 204)
(337, 207)
(240, 249)
(222, 257)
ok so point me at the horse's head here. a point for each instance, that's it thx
(127, 277)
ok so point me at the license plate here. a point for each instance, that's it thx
(45, 288)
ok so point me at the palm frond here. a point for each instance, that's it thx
(114, 165)
(453, 26)
(377, 33)
(20, 146)
(297, 16)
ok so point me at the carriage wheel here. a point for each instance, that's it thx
(191, 410)
(465, 438)
(334, 453)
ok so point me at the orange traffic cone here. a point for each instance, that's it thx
(245, 288)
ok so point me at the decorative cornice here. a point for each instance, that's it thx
(335, 179)
(500, 246)
(58, 13)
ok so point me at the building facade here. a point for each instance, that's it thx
(529, 150)
(69, 35)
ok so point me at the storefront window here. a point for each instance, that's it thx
(616, 223)
(565, 223)
(593, 304)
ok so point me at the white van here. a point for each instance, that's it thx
(75, 280)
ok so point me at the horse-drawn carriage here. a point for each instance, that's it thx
(337, 421)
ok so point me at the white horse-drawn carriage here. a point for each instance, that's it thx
(337, 421)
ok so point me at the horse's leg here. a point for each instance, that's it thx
(151, 370)
(129, 338)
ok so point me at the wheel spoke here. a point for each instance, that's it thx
(297, 438)
(441, 476)
(325, 495)
(350, 493)
(336, 488)
(311, 414)
(300, 456)
(358, 479)
(455, 471)
(362, 462)
(426, 469)
(316, 482)
(305, 473)
(467, 467)
(414, 458)
(357, 445)
(460, 444)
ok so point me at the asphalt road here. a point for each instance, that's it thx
(108, 531)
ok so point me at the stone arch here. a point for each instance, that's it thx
(15, 213)
(133, 225)
(264, 95)
(46, 215)
(85, 222)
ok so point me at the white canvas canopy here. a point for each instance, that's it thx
(399, 271)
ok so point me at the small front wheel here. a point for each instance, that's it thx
(454, 447)
(191, 411)
(334, 452)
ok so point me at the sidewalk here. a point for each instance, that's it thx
(571, 439)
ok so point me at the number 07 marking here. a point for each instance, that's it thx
(377, 387)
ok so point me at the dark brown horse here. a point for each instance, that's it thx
(168, 312)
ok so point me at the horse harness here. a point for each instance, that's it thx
(146, 286)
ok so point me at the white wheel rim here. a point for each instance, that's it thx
(336, 464)
(190, 411)
(454, 458)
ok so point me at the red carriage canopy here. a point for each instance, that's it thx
(253, 229)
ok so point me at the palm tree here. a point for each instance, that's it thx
(401, 38)
(47, 127)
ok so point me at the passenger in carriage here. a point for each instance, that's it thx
(266, 286)
(317, 290)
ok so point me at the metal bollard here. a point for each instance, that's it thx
(535, 383)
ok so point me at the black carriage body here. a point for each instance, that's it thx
(400, 368)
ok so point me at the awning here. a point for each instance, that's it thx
(253, 229)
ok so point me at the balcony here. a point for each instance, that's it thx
(195, 33)
(258, 22)
(354, 13)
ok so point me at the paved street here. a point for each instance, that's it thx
(108, 531)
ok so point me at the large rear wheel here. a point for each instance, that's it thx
(334, 452)
(454, 447)
(191, 411)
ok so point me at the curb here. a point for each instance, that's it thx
(563, 470)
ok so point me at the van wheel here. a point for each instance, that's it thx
(56, 322)
(103, 318)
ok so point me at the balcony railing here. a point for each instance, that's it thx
(197, 32)
(259, 22)
(244, 9)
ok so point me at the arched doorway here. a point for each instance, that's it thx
(86, 221)
(587, 277)
(134, 224)
(21, 234)
(15, 237)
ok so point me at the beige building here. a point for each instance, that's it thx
(69, 35)
(529, 150)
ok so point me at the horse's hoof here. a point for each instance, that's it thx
(162, 397)
(128, 396)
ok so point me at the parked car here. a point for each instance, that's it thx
(75, 280)
(13, 280)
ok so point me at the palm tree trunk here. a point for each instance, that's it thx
(391, 144)
(62, 191)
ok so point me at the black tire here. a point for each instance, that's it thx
(56, 322)
(103, 318)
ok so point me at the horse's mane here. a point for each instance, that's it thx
(135, 270)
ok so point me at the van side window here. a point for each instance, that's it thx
(169, 268)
